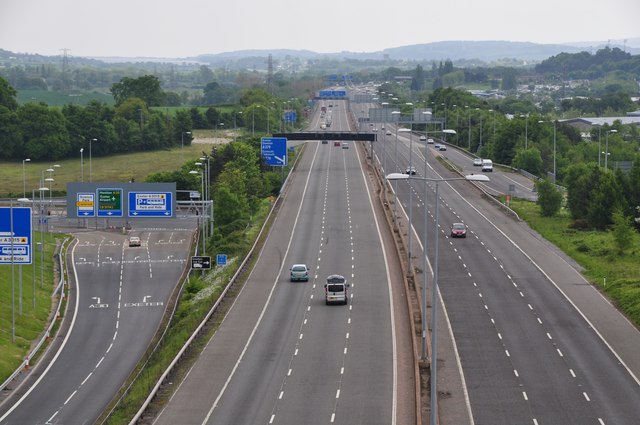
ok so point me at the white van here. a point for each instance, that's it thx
(487, 165)
(336, 290)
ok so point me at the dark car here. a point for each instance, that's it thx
(336, 143)
(324, 142)
(458, 230)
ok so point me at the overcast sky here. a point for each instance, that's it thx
(163, 28)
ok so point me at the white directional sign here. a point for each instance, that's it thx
(86, 205)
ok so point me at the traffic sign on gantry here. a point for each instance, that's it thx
(109, 202)
(150, 204)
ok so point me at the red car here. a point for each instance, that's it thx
(458, 230)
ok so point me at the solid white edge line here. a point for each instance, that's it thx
(266, 304)
(64, 342)
(394, 407)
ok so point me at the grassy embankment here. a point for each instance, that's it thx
(30, 324)
(616, 274)
(31, 317)
(110, 168)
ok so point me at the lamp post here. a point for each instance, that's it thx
(253, 120)
(406, 130)
(526, 131)
(235, 125)
(90, 169)
(395, 204)
(606, 149)
(434, 286)
(554, 147)
(201, 205)
(480, 144)
(469, 131)
(82, 165)
(24, 181)
(182, 143)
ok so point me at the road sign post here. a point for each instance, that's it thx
(201, 262)
(15, 235)
(274, 151)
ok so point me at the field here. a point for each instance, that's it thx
(111, 168)
(53, 98)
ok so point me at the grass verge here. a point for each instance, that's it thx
(27, 322)
(614, 273)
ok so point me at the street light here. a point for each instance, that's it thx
(201, 204)
(235, 125)
(606, 148)
(434, 286)
(554, 147)
(182, 144)
(90, 169)
(82, 165)
(253, 120)
(24, 181)
(526, 130)
(395, 204)
(480, 144)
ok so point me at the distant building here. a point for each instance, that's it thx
(585, 124)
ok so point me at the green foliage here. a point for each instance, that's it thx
(8, 95)
(549, 198)
(146, 88)
(595, 251)
(622, 231)
(529, 160)
(43, 131)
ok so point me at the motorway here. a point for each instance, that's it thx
(283, 356)
(116, 301)
(531, 346)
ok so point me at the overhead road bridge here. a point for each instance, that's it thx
(328, 135)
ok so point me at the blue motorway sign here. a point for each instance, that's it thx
(109, 202)
(290, 116)
(150, 204)
(15, 235)
(274, 150)
(221, 259)
(86, 204)
(332, 93)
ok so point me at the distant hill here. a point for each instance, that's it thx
(483, 51)
(460, 52)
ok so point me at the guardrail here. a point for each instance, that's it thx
(59, 288)
(213, 309)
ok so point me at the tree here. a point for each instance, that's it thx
(10, 137)
(509, 80)
(549, 198)
(606, 198)
(417, 82)
(529, 160)
(146, 88)
(622, 231)
(8, 95)
(44, 132)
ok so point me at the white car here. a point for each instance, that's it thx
(423, 138)
(477, 162)
(134, 241)
(410, 170)
(430, 141)
(299, 272)
(388, 133)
